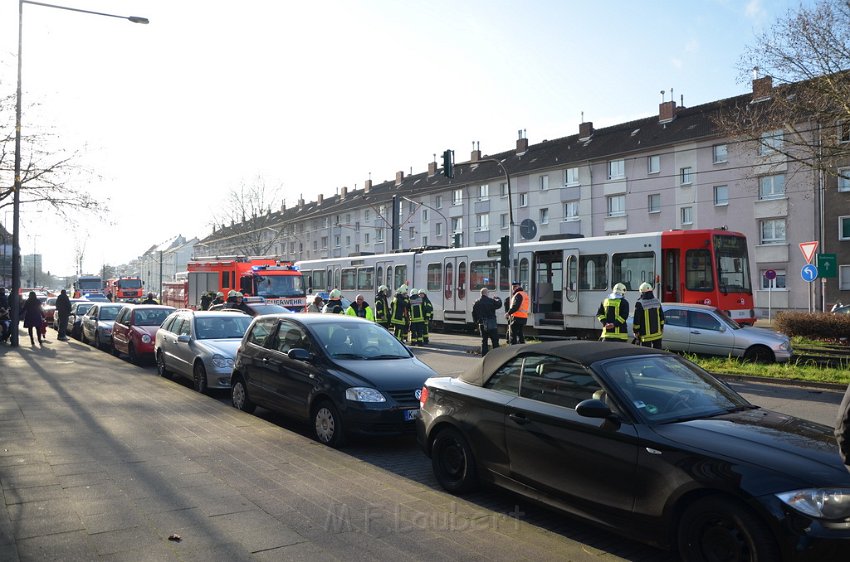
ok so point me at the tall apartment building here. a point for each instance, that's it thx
(673, 170)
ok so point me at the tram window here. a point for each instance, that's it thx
(435, 278)
(633, 268)
(523, 272)
(380, 271)
(593, 272)
(336, 279)
(318, 281)
(482, 274)
(698, 271)
(401, 274)
(349, 279)
(364, 278)
(461, 280)
(450, 279)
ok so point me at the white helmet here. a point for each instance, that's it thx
(402, 289)
(335, 294)
(383, 289)
(619, 288)
(645, 287)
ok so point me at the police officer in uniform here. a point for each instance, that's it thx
(649, 318)
(613, 313)
(517, 314)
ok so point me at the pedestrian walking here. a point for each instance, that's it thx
(613, 313)
(648, 324)
(33, 317)
(63, 312)
(517, 314)
(484, 316)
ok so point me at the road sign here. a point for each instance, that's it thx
(808, 249)
(809, 273)
(770, 275)
(827, 265)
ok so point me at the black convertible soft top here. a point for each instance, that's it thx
(579, 351)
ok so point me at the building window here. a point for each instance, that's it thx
(843, 179)
(483, 192)
(382, 210)
(616, 169)
(844, 277)
(457, 224)
(503, 189)
(777, 283)
(503, 221)
(457, 197)
(687, 215)
(366, 238)
(544, 215)
(771, 142)
(616, 205)
(571, 177)
(772, 187)
(438, 229)
(438, 201)
(482, 221)
(337, 241)
(773, 231)
(348, 240)
(324, 242)
(544, 183)
(401, 207)
(721, 195)
(686, 175)
(844, 228)
(523, 199)
(571, 211)
(379, 235)
(653, 203)
(719, 153)
(424, 215)
(315, 245)
(424, 241)
(843, 131)
(411, 231)
(653, 164)
(367, 214)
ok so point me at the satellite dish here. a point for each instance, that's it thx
(528, 229)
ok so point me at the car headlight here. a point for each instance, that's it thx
(222, 362)
(785, 346)
(363, 394)
(823, 503)
(146, 338)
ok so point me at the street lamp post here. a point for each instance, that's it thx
(16, 195)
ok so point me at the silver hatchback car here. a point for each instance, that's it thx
(697, 328)
(200, 346)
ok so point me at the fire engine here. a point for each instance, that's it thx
(88, 284)
(125, 288)
(276, 281)
(175, 293)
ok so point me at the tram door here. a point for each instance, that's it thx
(670, 277)
(569, 302)
(455, 294)
(333, 277)
(384, 276)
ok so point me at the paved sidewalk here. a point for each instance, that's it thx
(101, 460)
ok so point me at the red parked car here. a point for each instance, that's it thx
(134, 330)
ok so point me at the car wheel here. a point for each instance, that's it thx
(160, 365)
(327, 424)
(199, 377)
(131, 353)
(759, 354)
(716, 528)
(239, 396)
(453, 462)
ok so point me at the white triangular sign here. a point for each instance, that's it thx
(808, 249)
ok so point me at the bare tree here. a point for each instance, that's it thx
(47, 174)
(805, 92)
(249, 222)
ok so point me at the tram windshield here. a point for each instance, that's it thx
(733, 264)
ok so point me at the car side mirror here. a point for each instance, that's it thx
(183, 339)
(592, 408)
(299, 354)
(722, 329)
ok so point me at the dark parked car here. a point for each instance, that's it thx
(75, 319)
(341, 373)
(134, 330)
(645, 443)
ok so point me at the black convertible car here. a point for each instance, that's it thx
(644, 443)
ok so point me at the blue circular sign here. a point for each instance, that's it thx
(809, 273)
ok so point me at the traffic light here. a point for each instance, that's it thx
(505, 251)
(448, 163)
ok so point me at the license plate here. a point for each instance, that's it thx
(410, 415)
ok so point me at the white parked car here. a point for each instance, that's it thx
(697, 328)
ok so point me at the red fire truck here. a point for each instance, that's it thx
(125, 288)
(175, 293)
(276, 281)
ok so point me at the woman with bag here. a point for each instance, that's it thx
(33, 316)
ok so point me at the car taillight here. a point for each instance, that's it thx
(423, 397)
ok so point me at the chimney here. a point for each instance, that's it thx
(476, 152)
(367, 186)
(320, 199)
(343, 193)
(762, 88)
(666, 111)
(399, 176)
(585, 130)
(300, 201)
(432, 169)
(282, 206)
(522, 142)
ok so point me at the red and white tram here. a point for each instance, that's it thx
(565, 278)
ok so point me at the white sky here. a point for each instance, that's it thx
(314, 96)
